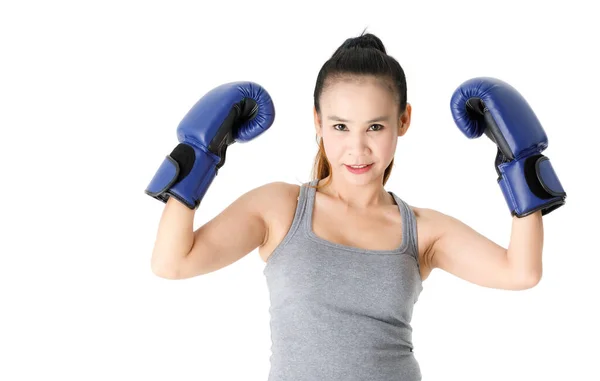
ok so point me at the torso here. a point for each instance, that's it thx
(377, 230)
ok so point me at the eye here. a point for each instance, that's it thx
(379, 126)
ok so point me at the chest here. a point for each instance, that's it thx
(377, 230)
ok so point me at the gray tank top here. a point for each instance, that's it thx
(340, 312)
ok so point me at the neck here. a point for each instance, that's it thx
(356, 195)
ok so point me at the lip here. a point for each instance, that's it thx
(358, 171)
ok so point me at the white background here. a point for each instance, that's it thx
(91, 95)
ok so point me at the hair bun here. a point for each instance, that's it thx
(365, 41)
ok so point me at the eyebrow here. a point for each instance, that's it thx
(378, 119)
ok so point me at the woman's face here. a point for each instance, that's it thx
(359, 124)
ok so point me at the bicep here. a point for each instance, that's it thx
(232, 234)
(462, 251)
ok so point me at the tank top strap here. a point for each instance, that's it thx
(308, 204)
(300, 213)
(409, 223)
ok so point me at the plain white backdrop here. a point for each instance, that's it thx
(90, 97)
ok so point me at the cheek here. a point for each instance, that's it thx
(387, 147)
(332, 148)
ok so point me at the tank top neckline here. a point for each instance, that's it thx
(309, 205)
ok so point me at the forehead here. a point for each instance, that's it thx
(357, 96)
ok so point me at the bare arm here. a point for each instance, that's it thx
(462, 251)
(174, 238)
(526, 246)
(235, 232)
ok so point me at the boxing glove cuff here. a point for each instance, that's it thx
(530, 184)
(185, 174)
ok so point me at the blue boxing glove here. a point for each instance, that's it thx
(526, 177)
(233, 112)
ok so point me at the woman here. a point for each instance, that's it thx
(345, 258)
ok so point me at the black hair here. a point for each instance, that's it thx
(362, 55)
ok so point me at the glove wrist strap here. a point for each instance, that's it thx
(530, 184)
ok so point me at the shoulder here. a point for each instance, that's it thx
(430, 226)
(431, 222)
(426, 220)
(437, 226)
(278, 202)
(276, 196)
(425, 214)
(278, 191)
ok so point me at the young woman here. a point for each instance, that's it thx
(346, 259)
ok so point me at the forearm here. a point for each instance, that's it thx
(175, 237)
(526, 245)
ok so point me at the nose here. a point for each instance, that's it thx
(358, 144)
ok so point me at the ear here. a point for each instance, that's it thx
(317, 122)
(404, 122)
